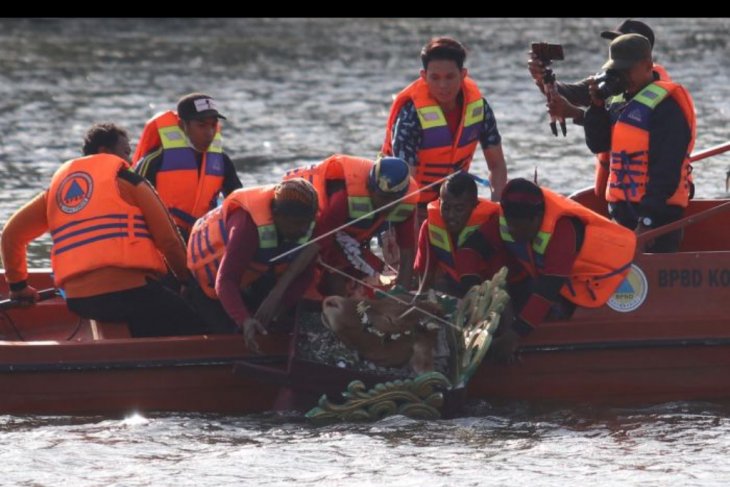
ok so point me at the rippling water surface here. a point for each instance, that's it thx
(295, 91)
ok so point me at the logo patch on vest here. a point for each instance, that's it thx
(631, 293)
(635, 115)
(74, 192)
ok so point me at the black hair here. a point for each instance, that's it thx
(522, 198)
(445, 48)
(461, 183)
(102, 135)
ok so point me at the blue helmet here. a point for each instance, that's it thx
(390, 175)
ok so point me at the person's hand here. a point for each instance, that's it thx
(269, 308)
(559, 107)
(250, 327)
(503, 347)
(536, 68)
(26, 297)
(596, 100)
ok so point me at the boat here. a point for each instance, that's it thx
(663, 336)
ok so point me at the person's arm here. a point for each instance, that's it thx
(559, 259)
(405, 236)
(26, 224)
(135, 190)
(425, 262)
(481, 255)
(231, 182)
(407, 134)
(597, 125)
(240, 249)
(149, 165)
(669, 137)
(332, 216)
(575, 93)
(491, 142)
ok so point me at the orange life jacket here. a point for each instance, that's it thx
(630, 145)
(441, 152)
(355, 171)
(603, 260)
(208, 239)
(91, 226)
(187, 192)
(603, 159)
(442, 246)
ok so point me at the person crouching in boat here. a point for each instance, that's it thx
(459, 244)
(230, 251)
(351, 188)
(181, 154)
(110, 232)
(574, 256)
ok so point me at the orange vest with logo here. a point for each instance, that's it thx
(355, 171)
(603, 159)
(442, 246)
(187, 191)
(441, 152)
(208, 239)
(603, 260)
(91, 226)
(629, 167)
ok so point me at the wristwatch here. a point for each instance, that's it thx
(646, 221)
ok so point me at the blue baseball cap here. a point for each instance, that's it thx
(390, 175)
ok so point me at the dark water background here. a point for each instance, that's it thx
(296, 91)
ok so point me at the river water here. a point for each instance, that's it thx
(294, 92)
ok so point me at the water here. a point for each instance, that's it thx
(296, 91)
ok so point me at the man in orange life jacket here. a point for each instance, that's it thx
(571, 99)
(181, 154)
(230, 251)
(574, 97)
(574, 256)
(649, 139)
(110, 232)
(436, 122)
(459, 244)
(353, 187)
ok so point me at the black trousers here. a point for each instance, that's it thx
(627, 215)
(150, 310)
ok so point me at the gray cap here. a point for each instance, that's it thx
(626, 50)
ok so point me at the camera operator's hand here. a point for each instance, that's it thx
(559, 107)
(537, 70)
(596, 100)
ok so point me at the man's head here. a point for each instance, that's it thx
(443, 68)
(199, 116)
(388, 180)
(107, 138)
(458, 198)
(630, 54)
(523, 205)
(294, 207)
(630, 26)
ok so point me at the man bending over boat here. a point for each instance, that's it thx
(574, 257)
(351, 188)
(181, 154)
(459, 244)
(110, 233)
(230, 252)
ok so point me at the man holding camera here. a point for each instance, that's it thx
(573, 96)
(649, 133)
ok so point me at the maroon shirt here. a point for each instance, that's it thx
(243, 241)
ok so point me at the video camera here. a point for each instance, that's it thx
(610, 83)
(546, 52)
